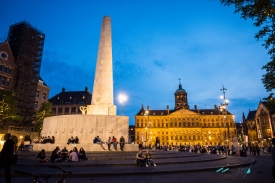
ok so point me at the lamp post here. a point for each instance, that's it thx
(122, 99)
(147, 124)
(224, 112)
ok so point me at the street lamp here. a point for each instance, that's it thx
(147, 124)
(224, 112)
(122, 99)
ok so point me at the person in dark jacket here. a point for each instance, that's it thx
(41, 157)
(55, 157)
(6, 153)
(82, 155)
(121, 143)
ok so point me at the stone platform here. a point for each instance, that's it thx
(85, 127)
(87, 147)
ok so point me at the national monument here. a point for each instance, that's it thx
(97, 119)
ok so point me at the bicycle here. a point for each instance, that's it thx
(36, 176)
(63, 173)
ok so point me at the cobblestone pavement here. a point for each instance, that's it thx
(260, 173)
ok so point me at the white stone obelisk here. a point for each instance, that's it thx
(101, 119)
(102, 97)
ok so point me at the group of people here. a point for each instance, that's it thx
(63, 155)
(73, 140)
(144, 160)
(111, 141)
(44, 140)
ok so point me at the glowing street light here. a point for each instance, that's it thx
(122, 98)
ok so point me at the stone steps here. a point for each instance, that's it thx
(125, 165)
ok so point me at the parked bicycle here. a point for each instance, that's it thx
(36, 176)
(62, 180)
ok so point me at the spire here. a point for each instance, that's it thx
(180, 86)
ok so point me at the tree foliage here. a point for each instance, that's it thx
(44, 111)
(262, 12)
(8, 110)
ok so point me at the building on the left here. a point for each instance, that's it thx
(20, 64)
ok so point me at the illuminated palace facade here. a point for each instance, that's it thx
(183, 125)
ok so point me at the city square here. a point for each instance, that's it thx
(167, 97)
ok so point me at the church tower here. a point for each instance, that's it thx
(181, 98)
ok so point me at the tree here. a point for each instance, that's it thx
(44, 111)
(8, 110)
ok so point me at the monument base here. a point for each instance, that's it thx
(87, 147)
(85, 127)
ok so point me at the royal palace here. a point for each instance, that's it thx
(183, 125)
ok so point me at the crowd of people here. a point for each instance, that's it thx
(111, 141)
(63, 155)
(73, 140)
(44, 140)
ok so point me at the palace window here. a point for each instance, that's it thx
(60, 110)
(73, 110)
(66, 109)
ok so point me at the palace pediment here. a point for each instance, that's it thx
(184, 112)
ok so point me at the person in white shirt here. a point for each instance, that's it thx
(73, 156)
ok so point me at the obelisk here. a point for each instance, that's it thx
(102, 97)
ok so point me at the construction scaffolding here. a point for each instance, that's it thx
(27, 44)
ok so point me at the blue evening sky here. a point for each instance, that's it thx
(155, 43)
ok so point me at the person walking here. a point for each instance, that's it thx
(6, 153)
(257, 150)
(121, 143)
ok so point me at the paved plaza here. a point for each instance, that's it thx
(172, 166)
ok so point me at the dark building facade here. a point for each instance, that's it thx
(68, 102)
(26, 43)
(42, 94)
(8, 68)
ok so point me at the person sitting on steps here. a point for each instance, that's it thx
(73, 156)
(41, 157)
(82, 155)
(55, 157)
(97, 140)
(71, 140)
(76, 140)
(148, 159)
(140, 158)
